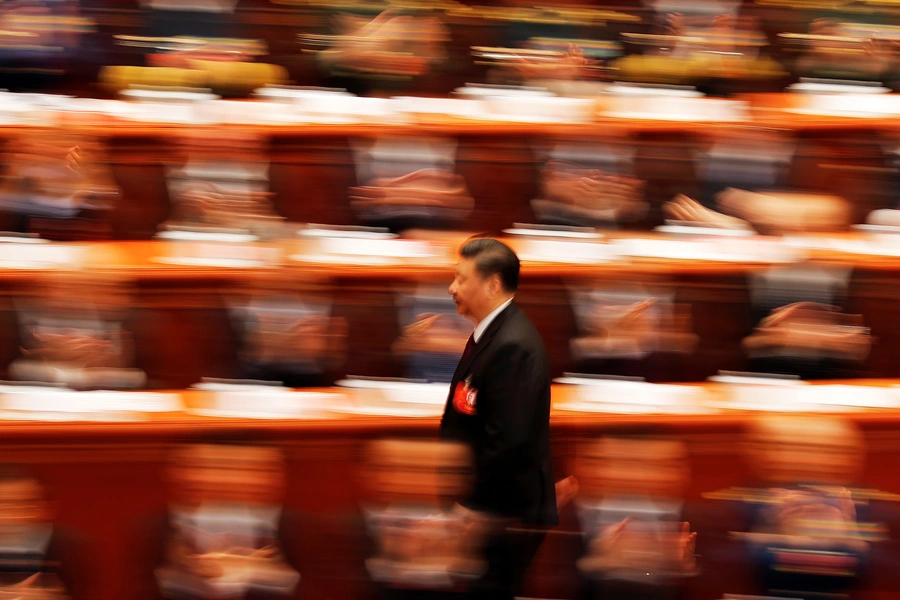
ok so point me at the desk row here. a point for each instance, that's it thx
(664, 321)
(577, 402)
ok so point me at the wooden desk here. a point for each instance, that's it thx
(178, 312)
(108, 478)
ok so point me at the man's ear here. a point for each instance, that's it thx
(495, 285)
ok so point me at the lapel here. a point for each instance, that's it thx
(485, 340)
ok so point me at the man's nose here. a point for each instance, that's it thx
(452, 289)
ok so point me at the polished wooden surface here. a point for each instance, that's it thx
(107, 478)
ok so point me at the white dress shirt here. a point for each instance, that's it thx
(483, 324)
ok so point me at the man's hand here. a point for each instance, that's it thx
(566, 490)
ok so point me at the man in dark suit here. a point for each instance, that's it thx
(499, 404)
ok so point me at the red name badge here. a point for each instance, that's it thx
(464, 398)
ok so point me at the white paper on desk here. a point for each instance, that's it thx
(267, 402)
(61, 417)
(203, 236)
(392, 248)
(881, 247)
(632, 91)
(550, 109)
(38, 256)
(346, 234)
(346, 259)
(757, 249)
(630, 409)
(396, 410)
(694, 230)
(559, 251)
(166, 112)
(801, 397)
(671, 249)
(850, 105)
(219, 255)
(554, 233)
(404, 392)
(835, 87)
(719, 250)
(49, 400)
(677, 109)
(457, 107)
(854, 396)
(808, 242)
(635, 393)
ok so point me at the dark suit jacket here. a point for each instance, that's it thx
(510, 430)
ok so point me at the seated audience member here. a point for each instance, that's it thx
(806, 532)
(224, 534)
(288, 338)
(432, 343)
(58, 187)
(36, 556)
(419, 549)
(771, 213)
(630, 510)
(582, 196)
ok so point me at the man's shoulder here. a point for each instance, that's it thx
(518, 331)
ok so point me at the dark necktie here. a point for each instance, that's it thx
(469, 345)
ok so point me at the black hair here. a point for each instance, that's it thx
(493, 257)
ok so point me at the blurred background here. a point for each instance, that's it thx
(227, 230)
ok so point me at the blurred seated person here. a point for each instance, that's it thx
(192, 44)
(220, 181)
(635, 330)
(423, 195)
(58, 187)
(535, 65)
(715, 54)
(806, 532)
(224, 534)
(629, 330)
(286, 339)
(636, 543)
(206, 204)
(390, 50)
(751, 159)
(201, 18)
(432, 344)
(37, 559)
(39, 39)
(81, 343)
(420, 549)
(581, 196)
(424, 544)
(836, 50)
(232, 67)
(770, 213)
(409, 182)
(810, 329)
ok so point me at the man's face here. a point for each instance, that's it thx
(470, 291)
